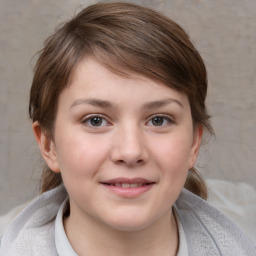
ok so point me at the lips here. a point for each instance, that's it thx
(128, 187)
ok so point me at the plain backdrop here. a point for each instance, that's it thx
(223, 31)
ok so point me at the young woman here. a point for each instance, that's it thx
(118, 110)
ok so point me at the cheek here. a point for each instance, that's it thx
(173, 158)
(174, 152)
(80, 155)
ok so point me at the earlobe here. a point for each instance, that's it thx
(47, 147)
(198, 135)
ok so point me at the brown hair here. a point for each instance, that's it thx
(126, 38)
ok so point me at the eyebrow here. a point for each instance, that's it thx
(106, 104)
(160, 103)
(94, 102)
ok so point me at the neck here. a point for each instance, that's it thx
(92, 238)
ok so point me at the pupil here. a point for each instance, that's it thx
(96, 121)
(157, 121)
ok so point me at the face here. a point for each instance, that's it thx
(123, 146)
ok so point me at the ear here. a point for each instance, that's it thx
(197, 139)
(47, 147)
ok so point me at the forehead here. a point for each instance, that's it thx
(91, 79)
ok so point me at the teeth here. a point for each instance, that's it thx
(128, 185)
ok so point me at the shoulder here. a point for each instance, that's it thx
(32, 231)
(209, 231)
(6, 219)
(36, 241)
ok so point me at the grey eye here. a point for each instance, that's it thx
(96, 121)
(158, 121)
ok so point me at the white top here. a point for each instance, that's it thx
(38, 229)
(64, 248)
(183, 246)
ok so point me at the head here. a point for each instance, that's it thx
(126, 39)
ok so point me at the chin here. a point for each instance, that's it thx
(129, 223)
(129, 227)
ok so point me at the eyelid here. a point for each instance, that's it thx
(88, 117)
(167, 117)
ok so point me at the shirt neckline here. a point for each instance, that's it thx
(64, 247)
(183, 246)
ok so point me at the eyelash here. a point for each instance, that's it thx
(90, 118)
(166, 120)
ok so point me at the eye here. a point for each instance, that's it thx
(159, 121)
(95, 121)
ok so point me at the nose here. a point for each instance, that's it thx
(129, 148)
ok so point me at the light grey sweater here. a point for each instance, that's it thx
(207, 231)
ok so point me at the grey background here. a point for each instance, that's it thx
(223, 31)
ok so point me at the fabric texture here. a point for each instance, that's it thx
(237, 200)
(207, 231)
(62, 244)
(64, 248)
(183, 246)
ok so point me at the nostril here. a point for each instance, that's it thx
(131, 163)
(129, 156)
(120, 161)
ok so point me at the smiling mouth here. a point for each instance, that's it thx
(129, 185)
(128, 188)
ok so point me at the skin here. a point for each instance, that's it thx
(144, 130)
